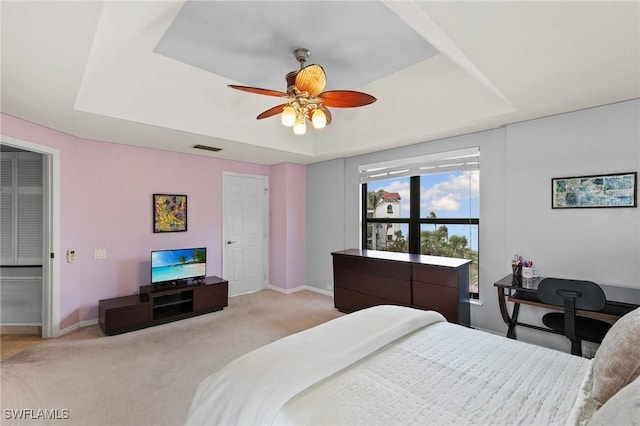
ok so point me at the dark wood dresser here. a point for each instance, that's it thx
(365, 278)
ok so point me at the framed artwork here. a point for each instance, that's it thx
(169, 213)
(612, 190)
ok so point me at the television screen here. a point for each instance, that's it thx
(168, 266)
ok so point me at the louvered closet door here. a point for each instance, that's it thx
(29, 247)
(21, 228)
(7, 216)
(22, 207)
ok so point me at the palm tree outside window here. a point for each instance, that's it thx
(438, 215)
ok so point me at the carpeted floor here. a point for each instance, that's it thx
(147, 377)
(11, 344)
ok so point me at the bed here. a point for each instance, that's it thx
(396, 365)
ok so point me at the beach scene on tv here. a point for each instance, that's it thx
(173, 265)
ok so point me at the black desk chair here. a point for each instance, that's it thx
(572, 295)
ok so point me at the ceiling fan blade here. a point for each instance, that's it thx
(311, 79)
(271, 111)
(346, 98)
(259, 91)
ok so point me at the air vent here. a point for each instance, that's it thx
(207, 148)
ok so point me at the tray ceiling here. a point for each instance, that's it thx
(154, 74)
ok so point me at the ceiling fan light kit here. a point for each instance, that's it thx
(288, 116)
(318, 119)
(305, 99)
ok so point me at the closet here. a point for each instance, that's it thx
(21, 237)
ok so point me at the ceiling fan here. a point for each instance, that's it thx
(305, 98)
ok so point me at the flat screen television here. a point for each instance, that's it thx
(172, 267)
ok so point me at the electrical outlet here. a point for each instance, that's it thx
(71, 255)
(99, 253)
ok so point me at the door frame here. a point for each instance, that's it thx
(50, 234)
(265, 219)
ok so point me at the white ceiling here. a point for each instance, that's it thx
(155, 74)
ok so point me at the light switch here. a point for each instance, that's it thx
(99, 253)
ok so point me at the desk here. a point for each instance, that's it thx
(524, 291)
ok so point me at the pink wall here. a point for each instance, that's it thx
(288, 211)
(106, 202)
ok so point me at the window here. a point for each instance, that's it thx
(436, 200)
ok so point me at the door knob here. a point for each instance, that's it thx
(230, 242)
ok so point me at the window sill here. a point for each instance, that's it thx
(477, 302)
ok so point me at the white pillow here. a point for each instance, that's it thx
(622, 409)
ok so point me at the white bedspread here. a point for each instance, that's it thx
(445, 374)
(252, 389)
(424, 371)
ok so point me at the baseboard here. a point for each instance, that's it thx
(286, 290)
(300, 288)
(77, 326)
(88, 323)
(319, 290)
(35, 330)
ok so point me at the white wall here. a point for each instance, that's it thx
(597, 244)
(325, 220)
(517, 163)
(601, 245)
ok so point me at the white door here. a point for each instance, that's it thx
(245, 232)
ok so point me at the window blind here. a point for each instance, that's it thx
(462, 159)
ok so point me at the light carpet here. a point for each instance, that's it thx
(148, 377)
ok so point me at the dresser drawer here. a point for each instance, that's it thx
(436, 275)
(437, 298)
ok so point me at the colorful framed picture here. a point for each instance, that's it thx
(169, 213)
(613, 190)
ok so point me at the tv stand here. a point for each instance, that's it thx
(158, 305)
(171, 284)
